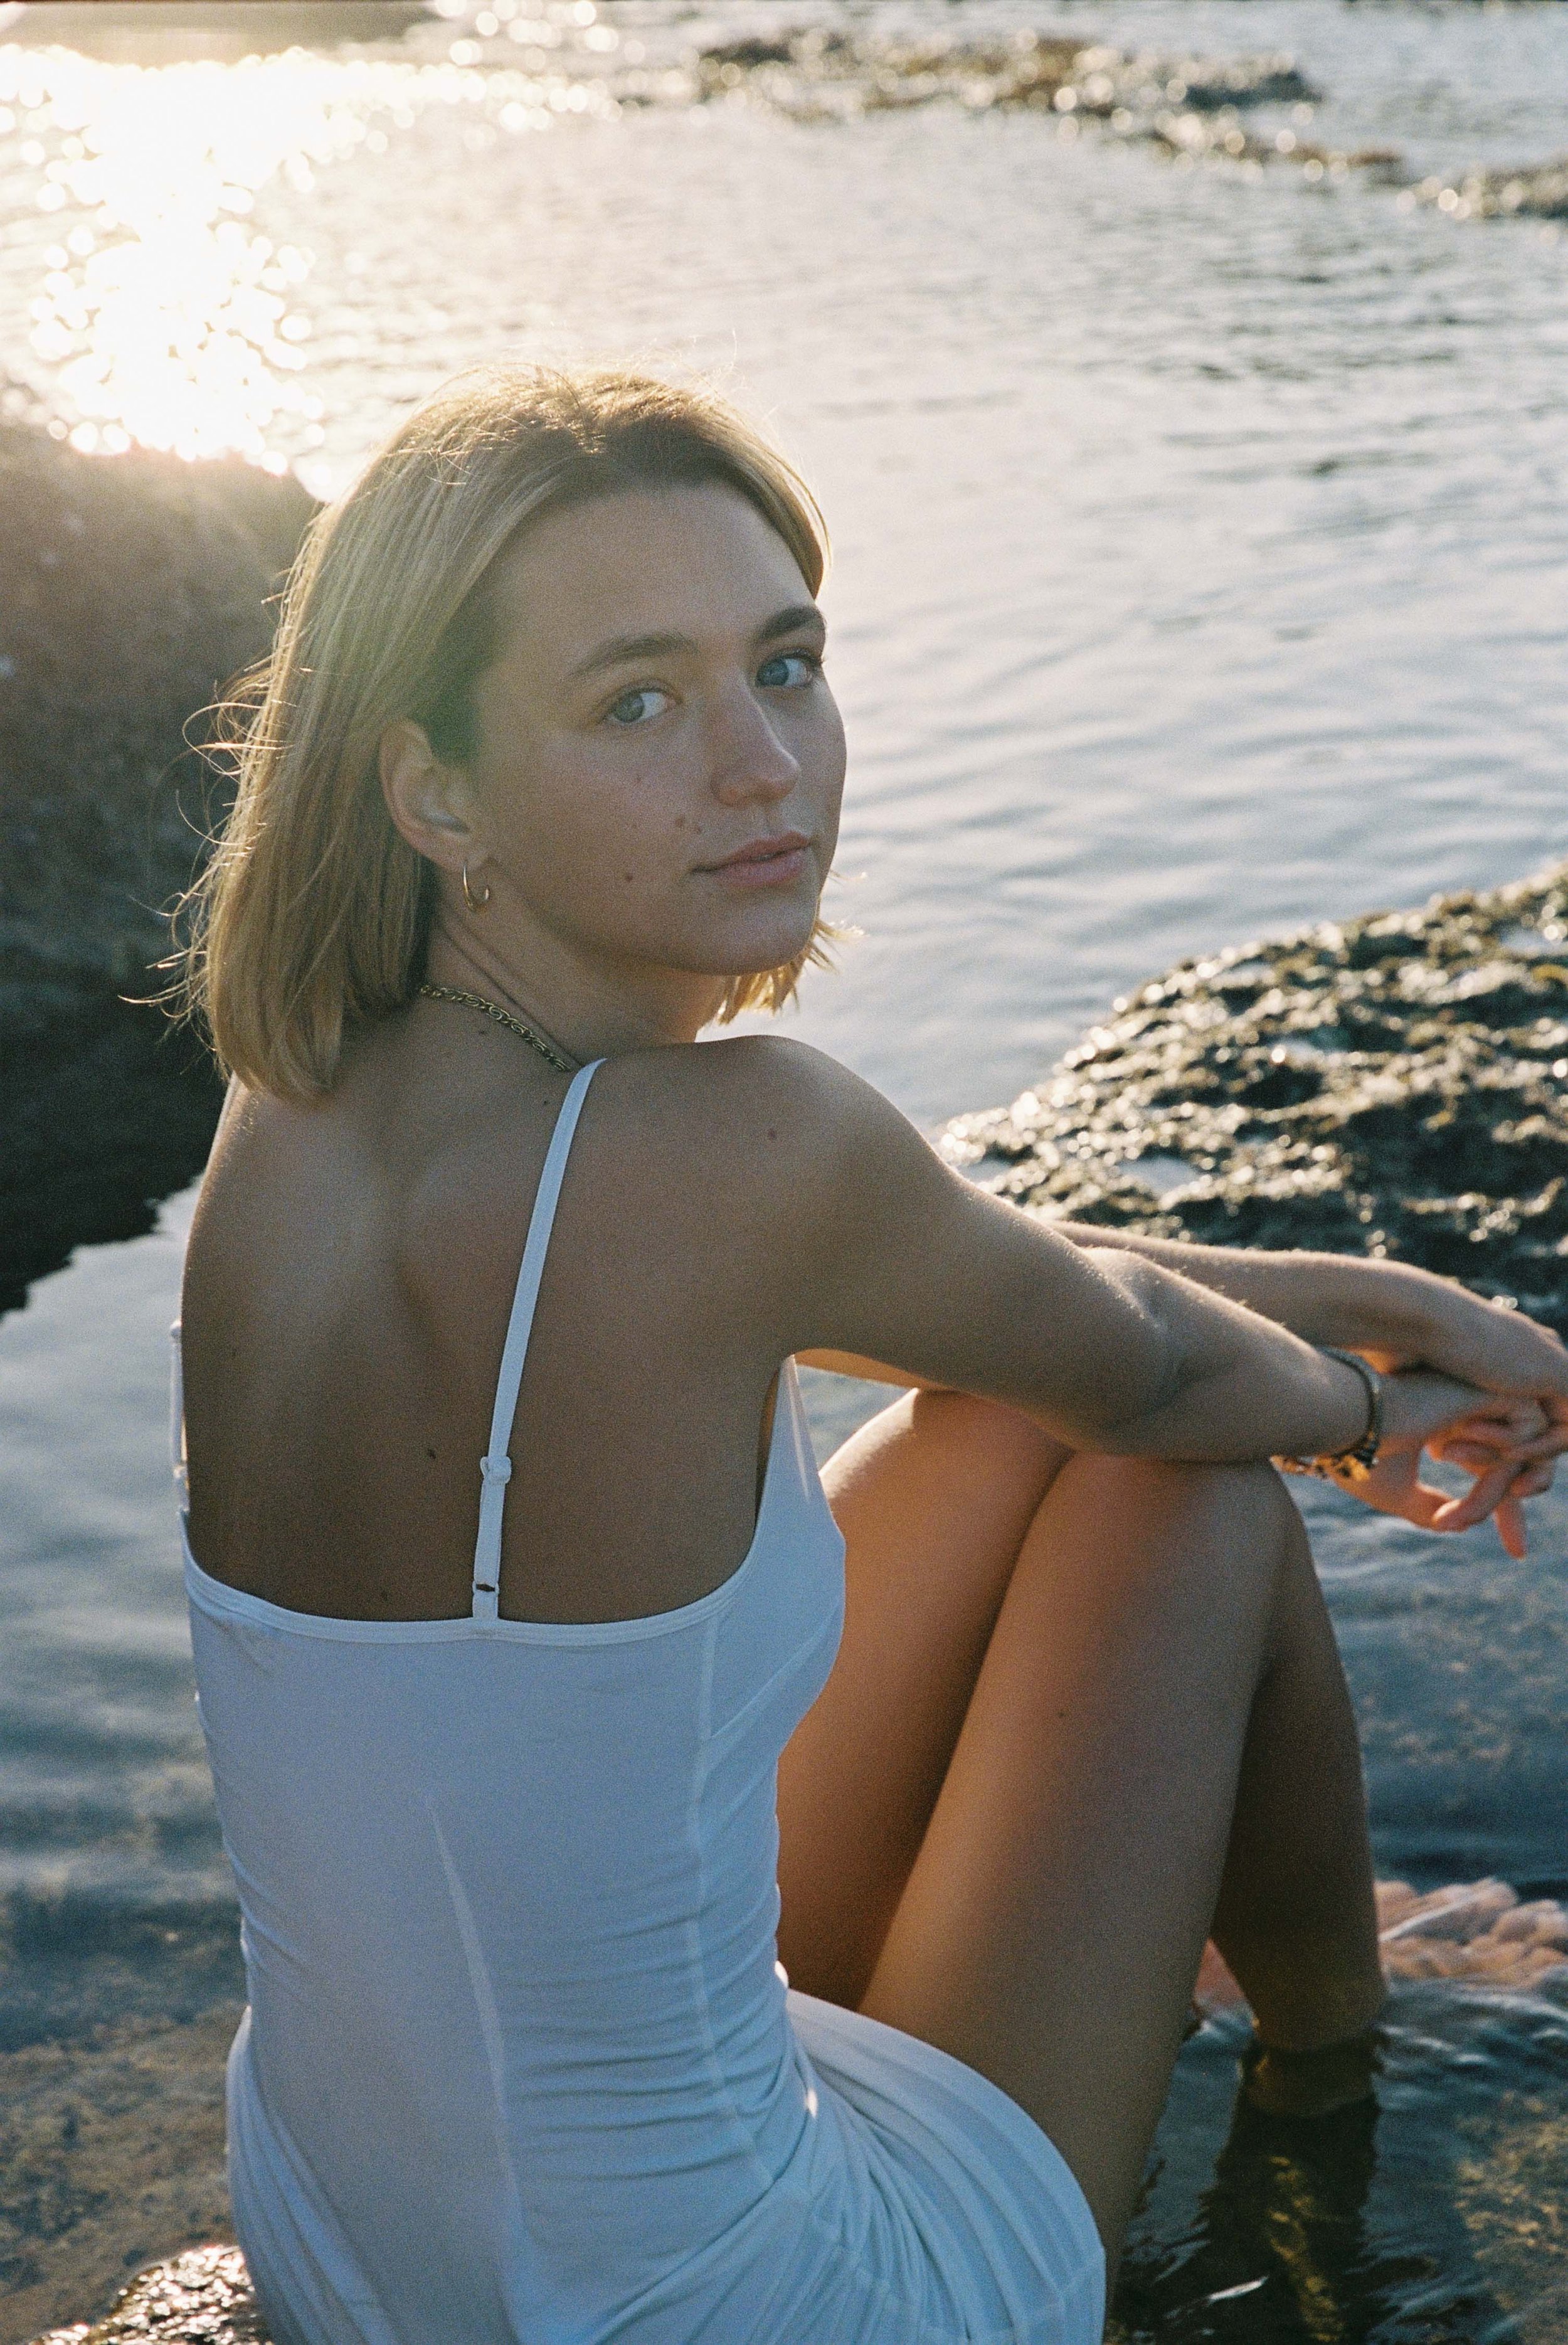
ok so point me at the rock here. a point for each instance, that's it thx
(1520, 191)
(132, 587)
(167, 32)
(202, 2298)
(103, 1112)
(1391, 1086)
(1186, 107)
(811, 72)
(111, 2151)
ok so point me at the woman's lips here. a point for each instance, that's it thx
(764, 862)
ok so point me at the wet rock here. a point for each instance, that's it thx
(812, 72)
(1194, 135)
(1188, 109)
(1185, 106)
(1393, 1086)
(131, 588)
(1525, 191)
(103, 1112)
(111, 2154)
(202, 2298)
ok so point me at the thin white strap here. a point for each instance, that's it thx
(495, 1465)
(177, 1457)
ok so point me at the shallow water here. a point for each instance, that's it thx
(1199, 571)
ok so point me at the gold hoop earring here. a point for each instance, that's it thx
(475, 903)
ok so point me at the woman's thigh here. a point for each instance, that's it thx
(1051, 1926)
(935, 1497)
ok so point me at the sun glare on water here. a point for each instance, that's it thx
(163, 316)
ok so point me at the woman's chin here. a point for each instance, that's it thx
(750, 949)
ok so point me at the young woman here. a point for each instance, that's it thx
(510, 1588)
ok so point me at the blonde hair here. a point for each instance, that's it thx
(312, 913)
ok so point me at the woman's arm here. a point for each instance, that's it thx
(1396, 1314)
(1399, 1316)
(902, 1261)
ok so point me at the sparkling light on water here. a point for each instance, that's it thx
(163, 316)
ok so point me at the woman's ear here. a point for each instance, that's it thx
(430, 803)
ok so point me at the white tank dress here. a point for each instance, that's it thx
(520, 2067)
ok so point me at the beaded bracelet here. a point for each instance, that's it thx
(1347, 1466)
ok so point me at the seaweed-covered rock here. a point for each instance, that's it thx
(1393, 1086)
(202, 2298)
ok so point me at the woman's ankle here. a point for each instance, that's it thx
(1315, 1995)
(1311, 2083)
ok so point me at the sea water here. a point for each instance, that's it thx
(1199, 571)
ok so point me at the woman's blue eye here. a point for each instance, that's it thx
(790, 668)
(637, 706)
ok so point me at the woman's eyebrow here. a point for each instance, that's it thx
(790, 622)
(616, 650)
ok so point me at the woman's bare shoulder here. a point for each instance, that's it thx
(760, 1123)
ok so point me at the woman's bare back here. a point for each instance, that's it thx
(350, 1273)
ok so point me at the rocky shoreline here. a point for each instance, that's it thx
(1186, 107)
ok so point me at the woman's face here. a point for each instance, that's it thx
(660, 759)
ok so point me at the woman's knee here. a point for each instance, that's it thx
(1236, 1522)
(1252, 1486)
(988, 1436)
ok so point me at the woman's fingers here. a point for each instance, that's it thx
(1508, 1445)
(1535, 1480)
(1552, 1443)
(1422, 1505)
(1481, 1499)
(1480, 1436)
(1474, 1456)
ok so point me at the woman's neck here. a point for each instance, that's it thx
(586, 1012)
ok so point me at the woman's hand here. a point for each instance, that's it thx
(1511, 1447)
(1489, 1344)
(1507, 1443)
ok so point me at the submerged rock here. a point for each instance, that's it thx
(1393, 1086)
(1184, 105)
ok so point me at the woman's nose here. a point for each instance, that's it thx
(750, 759)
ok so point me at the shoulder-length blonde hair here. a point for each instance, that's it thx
(312, 914)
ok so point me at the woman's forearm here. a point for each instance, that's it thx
(1325, 1298)
(1237, 1384)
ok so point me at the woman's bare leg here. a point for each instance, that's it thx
(935, 1497)
(1153, 1662)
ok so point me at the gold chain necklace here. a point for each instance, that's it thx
(502, 1018)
